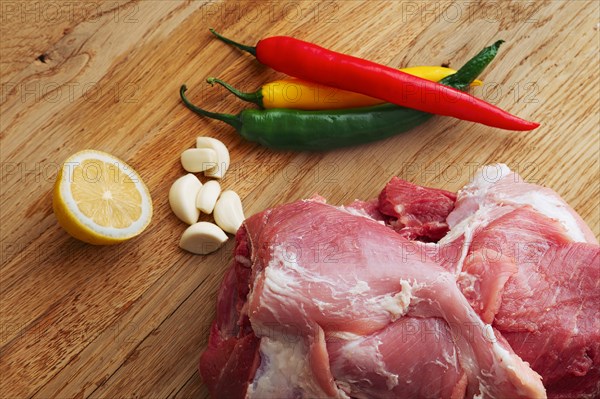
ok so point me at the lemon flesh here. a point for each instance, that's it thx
(99, 199)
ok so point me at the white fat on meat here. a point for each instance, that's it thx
(281, 282)
(359, 353)
(494, 191)
(496, 186)
(554, 208)
(396, 305)
(467, 228)
(361, 287)
(285, 367)
(353, 210)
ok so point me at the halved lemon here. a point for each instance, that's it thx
(99, 199)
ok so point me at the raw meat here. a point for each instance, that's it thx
(325, 301)
(548, 310)
(415, 212)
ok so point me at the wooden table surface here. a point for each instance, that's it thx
(131, 320)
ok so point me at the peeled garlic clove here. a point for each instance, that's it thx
(202, 238)
(207, 196)
(222, 156)
(182, 198)
(228, 212)
(198, 159)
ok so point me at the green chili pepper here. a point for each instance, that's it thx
(323, 130)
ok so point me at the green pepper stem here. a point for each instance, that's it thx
(254, 97)
(232, 120)
(250, 49)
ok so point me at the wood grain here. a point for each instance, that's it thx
(130, 321)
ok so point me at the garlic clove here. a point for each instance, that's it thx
(198, 159)
(222, 156)
(207, 196)
(182, 198)
(228, 212)
(202, 238)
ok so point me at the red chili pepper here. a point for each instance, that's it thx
(316, 64)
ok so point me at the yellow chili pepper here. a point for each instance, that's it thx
(294, 93)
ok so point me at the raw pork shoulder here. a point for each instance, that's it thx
(491, 293)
